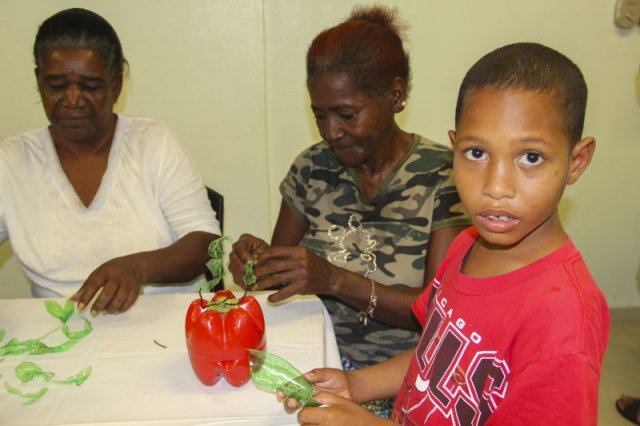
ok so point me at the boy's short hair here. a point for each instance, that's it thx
(535, 67)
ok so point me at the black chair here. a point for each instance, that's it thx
(217, 204)
(216, 200)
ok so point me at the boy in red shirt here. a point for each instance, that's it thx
(514, 327)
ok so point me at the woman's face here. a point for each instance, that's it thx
(356, 124)
(78, 94)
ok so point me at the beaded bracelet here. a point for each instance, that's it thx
(366, 315)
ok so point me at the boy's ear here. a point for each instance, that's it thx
(581, 156)
(452, 137)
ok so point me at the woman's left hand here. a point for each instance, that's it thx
(297, 270)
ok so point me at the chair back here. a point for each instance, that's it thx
(216, 200)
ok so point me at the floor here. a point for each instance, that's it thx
(621, 371)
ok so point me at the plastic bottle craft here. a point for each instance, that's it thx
(272, 373)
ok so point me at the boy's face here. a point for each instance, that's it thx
(512, 160)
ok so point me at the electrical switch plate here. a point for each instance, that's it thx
(627, 13)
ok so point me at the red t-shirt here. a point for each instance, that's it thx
(523, 348)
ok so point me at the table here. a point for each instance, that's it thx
(135, 381)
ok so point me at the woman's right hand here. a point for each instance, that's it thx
(246, 248)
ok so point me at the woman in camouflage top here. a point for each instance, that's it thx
(370, 205)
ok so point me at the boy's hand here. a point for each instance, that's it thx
(330, 380)
(337, 411)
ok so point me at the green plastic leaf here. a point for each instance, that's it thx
(27, 371)
(1, 334)
(31, 396)
(34, 347)
(249, 275)
(76, 379)
(272, 373)
(223, 304)
(215, 264)
(44, 349)
(77, 335)
(15, 346)
(217, 271)
(62, 313)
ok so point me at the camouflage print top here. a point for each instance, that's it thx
(384, 237)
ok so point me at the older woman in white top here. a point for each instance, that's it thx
(96, 202)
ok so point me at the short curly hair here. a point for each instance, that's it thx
(367, 47)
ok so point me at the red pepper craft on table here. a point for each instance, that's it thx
(218, 336)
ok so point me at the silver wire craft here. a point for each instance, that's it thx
(341, 256)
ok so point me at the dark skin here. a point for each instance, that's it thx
(625, 400)
(363, 134)
(78, 93)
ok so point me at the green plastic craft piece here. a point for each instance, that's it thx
(33, 347)
(31, 396)
(27, 371)
(215, 264)
(271, 373)
(44, 349)
(15, 346)
(223, 304)
(37, 346)
(249, 275)
(76, 379)
(77, 335)
(62, 313)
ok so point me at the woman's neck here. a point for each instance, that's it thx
(387, 157)
(96, 146)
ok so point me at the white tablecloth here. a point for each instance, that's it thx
(137, 382)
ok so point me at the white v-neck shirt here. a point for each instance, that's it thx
(150, 195)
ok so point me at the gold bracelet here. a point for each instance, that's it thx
(366, 315)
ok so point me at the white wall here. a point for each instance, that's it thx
(228, 76)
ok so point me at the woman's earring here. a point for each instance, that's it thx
(403, 103)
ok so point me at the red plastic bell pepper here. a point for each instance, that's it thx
(218, 336)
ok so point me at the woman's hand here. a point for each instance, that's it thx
(119, 279)
(297, 269)
(246, 248)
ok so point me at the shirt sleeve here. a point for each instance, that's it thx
(421, 304)
(567, 388)
(295, 185)
(181, 193)
(448, 209)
